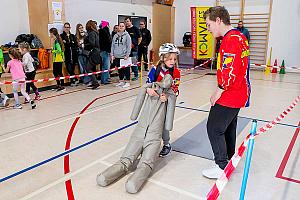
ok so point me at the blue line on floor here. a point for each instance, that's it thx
(65, 153)
(260, 120)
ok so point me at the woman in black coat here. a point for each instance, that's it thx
(92, 47)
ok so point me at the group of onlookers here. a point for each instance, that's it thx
(94, 46)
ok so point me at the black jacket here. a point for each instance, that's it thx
(91, 41)
(92, 45)
(71, 47)
(105, 39)
(146, 37)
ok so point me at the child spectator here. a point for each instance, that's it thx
(16, 69)
(58, 57)
(29, 69)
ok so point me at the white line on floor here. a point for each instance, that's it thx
(80, 115)
(101, 160)
(49, 125)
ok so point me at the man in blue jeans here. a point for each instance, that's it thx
(105, 48)
(136, 38)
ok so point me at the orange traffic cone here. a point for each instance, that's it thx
(274, 70)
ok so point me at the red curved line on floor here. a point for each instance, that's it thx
(68, 183)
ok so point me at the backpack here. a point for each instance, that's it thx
(158, 69)
(187, 39)
(43, 57)
(36, 43)
(36, 62)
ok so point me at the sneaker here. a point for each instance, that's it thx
(134, 79)
(120, 84)
(6, 101)
(73, 84)
(213, 173)
(17, 106)
(26, 101)
(95, 87)
(126, 85)
(55, 88)
(61, 89)
(166, 150)
(33, 105)
(37, 97)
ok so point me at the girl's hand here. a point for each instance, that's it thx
(152, 92)
(125, 58)
(163, 97)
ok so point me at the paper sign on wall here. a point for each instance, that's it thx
(57, 11)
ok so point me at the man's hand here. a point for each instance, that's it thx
(217, 94)
(152, 92)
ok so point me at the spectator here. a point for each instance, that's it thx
(29, 69)
(91, 43)
(105, 48)
(243, 30)
(82, 55)
(143, 46)
(71, 55)
(115, 30)
(16, 69)
(57, 57)
(120, 49)
(136, 39)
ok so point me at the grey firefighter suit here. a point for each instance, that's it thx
(146, 138)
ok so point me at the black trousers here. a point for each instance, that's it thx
(221, 129)
(124, 73)
(143, 51)
(57, 72)
(89, 69)
(30, 76)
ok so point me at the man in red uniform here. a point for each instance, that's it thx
(232, 92)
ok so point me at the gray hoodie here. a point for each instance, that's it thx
(121, 45)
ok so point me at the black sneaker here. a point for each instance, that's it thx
(166, 150)
(33, 105)
(95, 87)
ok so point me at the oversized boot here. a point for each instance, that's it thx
(112, 173)
(138, 178)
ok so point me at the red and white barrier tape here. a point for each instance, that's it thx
(234, 161)
(272, 66)
(87, 74)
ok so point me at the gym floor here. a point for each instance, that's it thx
(95, 127)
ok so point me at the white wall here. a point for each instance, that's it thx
(15, 20)
(285, 32)
(183, 16)
(80, 11)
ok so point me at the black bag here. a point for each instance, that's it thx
(187, 39)
(94, 56)
(36, 62)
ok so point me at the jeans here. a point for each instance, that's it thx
(71, 70)
(105, 66)
(221, 130)
(82, 61)
(134, 68)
